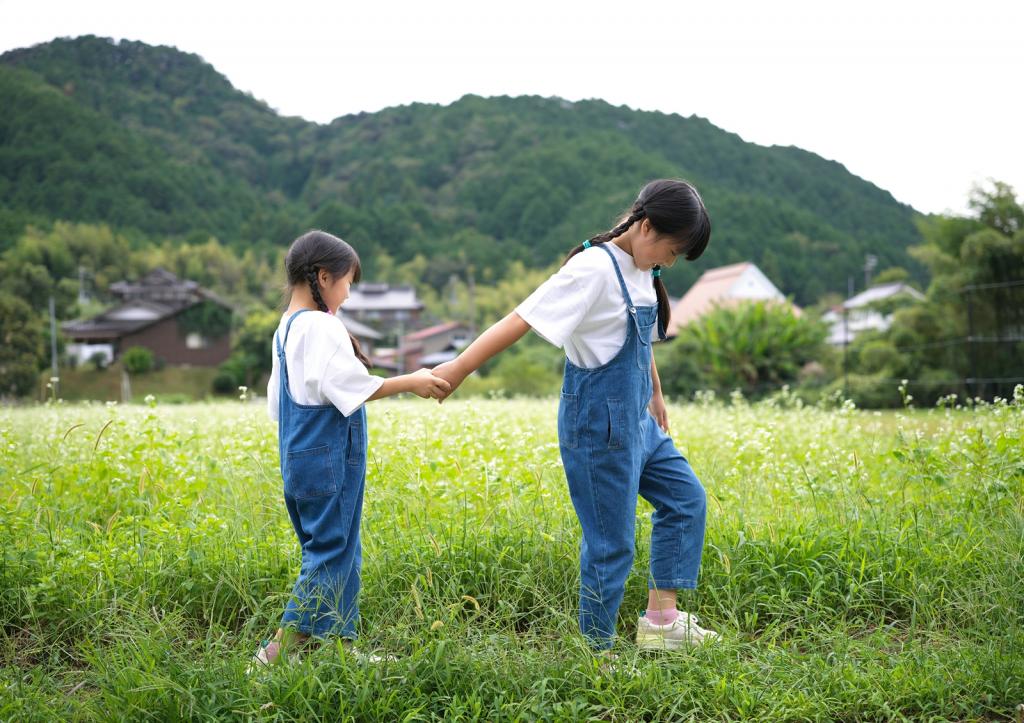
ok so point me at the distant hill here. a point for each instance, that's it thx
(155, 140)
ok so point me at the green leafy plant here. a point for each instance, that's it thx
(138, 360)
(755, 347)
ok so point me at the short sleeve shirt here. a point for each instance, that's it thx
(581, 308)
(322, 365)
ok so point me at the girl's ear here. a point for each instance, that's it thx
(324, 278)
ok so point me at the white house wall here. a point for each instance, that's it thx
(753, 284)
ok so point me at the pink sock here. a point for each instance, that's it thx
(661, 617)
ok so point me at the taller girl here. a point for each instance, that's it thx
(602, 307)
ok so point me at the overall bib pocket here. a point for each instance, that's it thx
(310, 473)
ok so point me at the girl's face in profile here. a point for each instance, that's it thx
(335, 291)
(652, 249)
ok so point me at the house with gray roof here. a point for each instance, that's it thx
(387, 308)
(864, 311)
(178, 320)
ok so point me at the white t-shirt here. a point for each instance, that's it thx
(322, 366)
(581, 307)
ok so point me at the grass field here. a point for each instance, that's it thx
(859, 566)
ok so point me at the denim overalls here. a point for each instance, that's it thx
(612, 450)
(323, 463)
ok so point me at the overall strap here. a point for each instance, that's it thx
(287, 329)
(622, 282)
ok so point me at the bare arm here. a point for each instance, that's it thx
(421, 383)
(496, 339)
(657, 406)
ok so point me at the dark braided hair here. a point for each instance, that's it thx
(675, 209)
(314, 251)
(314, 288)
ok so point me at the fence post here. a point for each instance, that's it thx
(971, 360)
(846, 338)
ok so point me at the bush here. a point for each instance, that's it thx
(22, 353)
(234, 367)
(98, 360)
(138, 360)
(755, 347)
(251, 358)
(878, 356)
(224, 383)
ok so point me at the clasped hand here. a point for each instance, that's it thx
(450, 372)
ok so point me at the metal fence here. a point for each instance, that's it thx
(987, 362)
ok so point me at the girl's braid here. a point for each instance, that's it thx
(314, 288)
(635, 215)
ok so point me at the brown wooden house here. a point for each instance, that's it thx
(389, 309)
(426, 347)
(178, 320)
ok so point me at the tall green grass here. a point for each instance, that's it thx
(859, 566)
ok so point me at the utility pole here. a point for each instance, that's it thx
(54, 372)
(400, 355)
(126, 387)
(870, 262)
(82, 296)
(846, 337)
(472, 301)
(453, 292)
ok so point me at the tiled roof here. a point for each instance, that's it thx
(119, 320)
(717, 287)
(358, 329)
(156, 296)
(882, 291)
(433, 330)
(711, 288)
(381, 297)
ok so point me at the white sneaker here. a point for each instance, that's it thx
(348, 648)
(261, 659)
(681, 632)
(371, 658)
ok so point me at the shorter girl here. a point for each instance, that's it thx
(316, 393)
(602, 307)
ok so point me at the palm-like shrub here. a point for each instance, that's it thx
(755, 347)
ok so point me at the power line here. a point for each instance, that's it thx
(998, 285)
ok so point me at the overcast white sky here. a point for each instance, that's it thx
(920, 98)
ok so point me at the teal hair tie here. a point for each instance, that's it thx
(656, 271)
(586, 244)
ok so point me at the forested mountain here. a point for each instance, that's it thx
(157, 144)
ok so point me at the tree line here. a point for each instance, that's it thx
(119, 157)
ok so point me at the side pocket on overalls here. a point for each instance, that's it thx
(310, 473)
(568, 410)
(616, 420)
(356, 440)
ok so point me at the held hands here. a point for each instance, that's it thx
(450, 372)
(497, 338)
(659, 411)
(426, 385)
